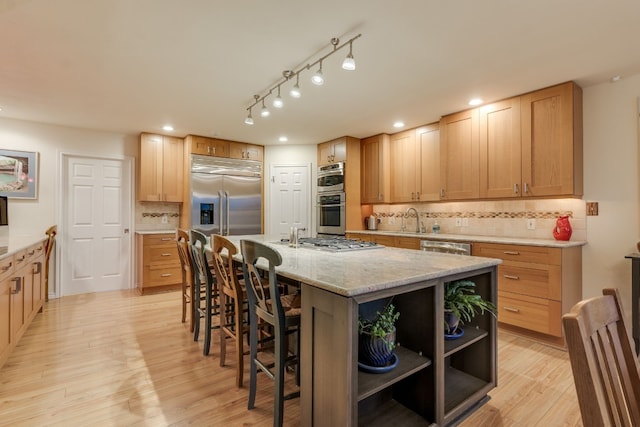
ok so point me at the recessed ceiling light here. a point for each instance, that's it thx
(167, 128)
(283, 139)
(615, 79)
(398, 124)
(475, 101)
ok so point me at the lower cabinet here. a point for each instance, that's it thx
(157, 263)
(21, 295)
(436, 381)
(405, 242)
(536, 285)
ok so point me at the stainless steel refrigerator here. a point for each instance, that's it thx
(226, 195)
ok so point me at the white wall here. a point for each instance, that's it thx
(34, 216)
(612, 179)
(289, 155)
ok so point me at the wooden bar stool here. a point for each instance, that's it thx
(276, 310)
(188, 288)
(48, 250)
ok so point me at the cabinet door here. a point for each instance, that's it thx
(374, 169)
(5, 317)
(150, 170)
(500, 149)
(459, 156)
(324, 153)
(403, 167)
(428, 140)
(172, 169)
(332, 151)
(254, 152)
(240, 150)
(552, 141)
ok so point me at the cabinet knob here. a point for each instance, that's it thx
(16, 286)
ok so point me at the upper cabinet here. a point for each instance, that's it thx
(500, 149)
(209, 146)
(374, 169)
(459, 156)
(161, 168)
(240, 150)
(332, 151)
(552, 141)
(415, 165)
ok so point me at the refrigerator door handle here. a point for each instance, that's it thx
(226, 196)
(220, 217)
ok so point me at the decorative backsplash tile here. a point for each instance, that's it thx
(489, 218)
(152, 216)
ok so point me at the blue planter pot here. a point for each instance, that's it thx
(375, 351)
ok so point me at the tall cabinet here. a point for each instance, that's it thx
(161, 174)
(374, 169)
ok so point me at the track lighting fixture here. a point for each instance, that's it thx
(295, 90)
(317, 78)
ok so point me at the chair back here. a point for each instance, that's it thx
(202, 272)
(51, 241)
(603, 360)
(223, 268)
(264, 299)
(184, 252)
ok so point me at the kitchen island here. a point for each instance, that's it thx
(435, 382)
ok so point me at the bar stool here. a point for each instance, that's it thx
(48, 250)
(233, 298)
(206, 290)
(188, 290)
(276, 310)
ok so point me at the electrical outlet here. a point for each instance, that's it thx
(465, 222)
(531, 224)
(458, 222)
(592, 208)
(165, 219)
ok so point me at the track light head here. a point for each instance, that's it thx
(277, 101)
(264, 111)
(295, 90)
(318, 78)
(249, 119)
(349, 63)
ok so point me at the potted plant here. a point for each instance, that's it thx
(461, 304)
(377, 338)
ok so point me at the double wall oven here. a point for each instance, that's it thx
(331, 218)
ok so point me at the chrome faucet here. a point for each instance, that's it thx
(406, 215)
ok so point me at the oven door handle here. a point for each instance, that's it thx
(331, 205)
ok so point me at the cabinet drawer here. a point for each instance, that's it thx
(7, 267)
(159, 276)
(518, 253)
(161, 254)
(407, 242)
(542, 282)
(536, 314)
(159, 239)
(20, 259)
(384, 240)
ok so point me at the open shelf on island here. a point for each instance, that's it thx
(471, 335)
(408, 364)
(459, 386)
(392, 413)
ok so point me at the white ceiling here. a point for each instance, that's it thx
(133, 65)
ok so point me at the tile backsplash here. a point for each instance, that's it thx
(157, 216)
(518, 218)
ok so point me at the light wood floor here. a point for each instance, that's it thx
(119, 359)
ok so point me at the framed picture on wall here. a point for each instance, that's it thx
(19, 174)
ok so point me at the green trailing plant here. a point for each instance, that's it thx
(383, 324)
(461, 299)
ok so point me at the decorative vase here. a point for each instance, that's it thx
(451, 322)
(562, 230)
(376, 351)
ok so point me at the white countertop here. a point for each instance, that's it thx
(482, 239)
(359, 272)
(17, 242)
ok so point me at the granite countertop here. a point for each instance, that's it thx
(359, 272)
(481, 239)
(170, 231)
(12, 243)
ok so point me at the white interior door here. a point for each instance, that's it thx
(96, 251)
(289, 199)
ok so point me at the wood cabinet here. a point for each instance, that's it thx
(500, 150)
(406, 242)
(157, 263)
(208, 146)
(374, 169)
(161, 173)
(435, 382)
(536, 285)
(552, 153)
(332, 151)
(240, 150)
(415, 165)
(459, 156)
(21, 294)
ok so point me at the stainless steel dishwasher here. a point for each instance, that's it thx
(446, 247)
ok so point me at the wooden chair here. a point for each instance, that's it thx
(233, 297)
(48, 250)
(206, 290)
(281, 312)
(604, 363)
(188, 289)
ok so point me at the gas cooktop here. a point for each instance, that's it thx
(334, 244)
